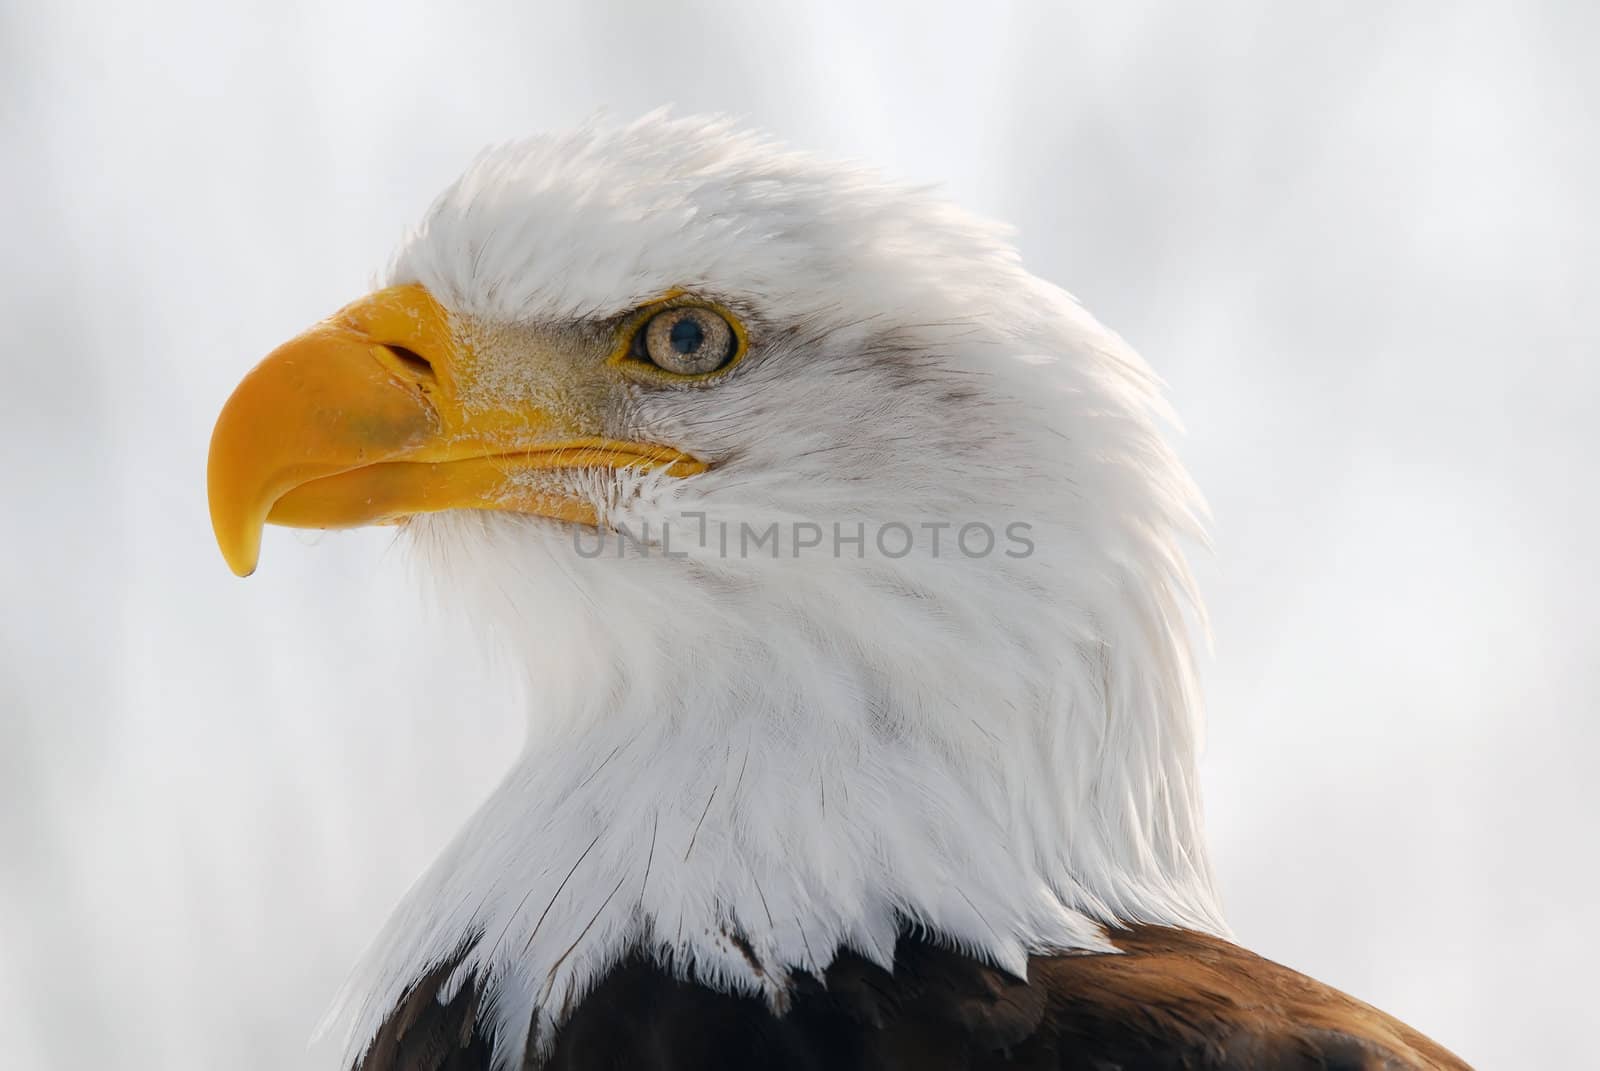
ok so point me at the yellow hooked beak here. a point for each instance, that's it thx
(361, 421)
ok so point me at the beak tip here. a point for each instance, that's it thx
(238, 512)
(240, 546)
(241, 565)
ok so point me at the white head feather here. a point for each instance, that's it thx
(813, 747)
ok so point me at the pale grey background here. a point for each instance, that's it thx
(1358, 240)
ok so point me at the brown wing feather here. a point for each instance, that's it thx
(1180, 992)
(1174, 1000)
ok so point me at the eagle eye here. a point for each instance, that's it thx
(687, 340)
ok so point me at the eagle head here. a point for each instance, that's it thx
(842, 557)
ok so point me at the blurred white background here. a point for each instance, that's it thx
(1359, 240)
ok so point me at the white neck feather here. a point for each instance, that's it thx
(742, 796)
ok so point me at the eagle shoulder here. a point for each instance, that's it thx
(1174, 999)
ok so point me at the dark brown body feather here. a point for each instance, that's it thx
(1175, 1001)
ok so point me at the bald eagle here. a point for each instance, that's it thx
(844, 561)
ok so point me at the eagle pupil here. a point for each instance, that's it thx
(687, 335)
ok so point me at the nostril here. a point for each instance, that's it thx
(411, 360)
